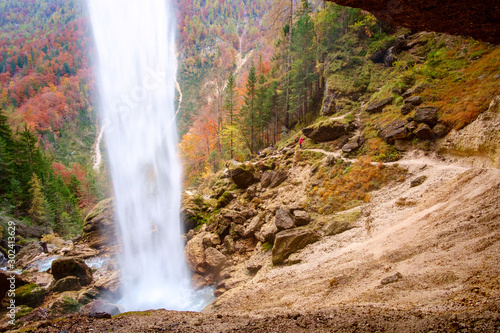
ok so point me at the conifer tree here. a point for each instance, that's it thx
(230, 107)
(38, 209)
(249, 109)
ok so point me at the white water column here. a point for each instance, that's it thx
(137, 67)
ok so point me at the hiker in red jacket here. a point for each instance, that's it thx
(301, 141)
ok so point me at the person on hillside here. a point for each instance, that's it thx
(301, 141)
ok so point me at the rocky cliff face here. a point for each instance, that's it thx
(477, 19)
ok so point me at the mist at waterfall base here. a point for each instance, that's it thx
(137, 65)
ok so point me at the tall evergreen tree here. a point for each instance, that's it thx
(249, 108)
(38, 207)
(230, 107)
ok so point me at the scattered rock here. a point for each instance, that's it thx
(30, 294)
(378, 106)
(411, 126)
(229, 244)
(268, 232)
(407, 108)
(414, 100)
(283, 220)
(426, 114)
(391, 279)
(254, 226)
(256, 261)
(328, 130)
(301, 217)
(353, 144)
(68, 283)
(336, 227)
(279, 177)
(211, 239)
(440, 130)
(64, 267)
(418, 181)
(423, 132)
(416, 90)
(291, 241)
(5, 283)
(234, 216)
(395, 130)
(109, 284)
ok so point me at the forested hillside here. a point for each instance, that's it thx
(46, 114)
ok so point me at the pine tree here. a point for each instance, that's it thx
(38, 208)
(249, 109)
(230, 107)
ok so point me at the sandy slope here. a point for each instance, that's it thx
(442, 236)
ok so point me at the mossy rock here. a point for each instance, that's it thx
(65, 305)
(23, 310)
(30, 294)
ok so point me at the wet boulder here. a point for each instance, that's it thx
(99, 227)
(69, 283)
(64, 267)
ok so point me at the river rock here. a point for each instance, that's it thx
(301, 217)
(64, 267)
(423, 132)
(291, 241)
(427, 115)
(328, 130)
(99, 228)
(69, 283)
(378, 106)
(283, 220)
(395, 130)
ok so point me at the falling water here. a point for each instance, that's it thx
(135, 42)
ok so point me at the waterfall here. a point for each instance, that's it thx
(135, 42)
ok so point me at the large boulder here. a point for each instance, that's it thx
(395, 130)
(273, 178)
(30, 294)
(99, 227)
(283, 220)
(215, 260)
(291, 241)
(190, 210)
(378, 106)
(427, 115)
(195, 255)
(64, 267)
(242, 175)
(328, 130)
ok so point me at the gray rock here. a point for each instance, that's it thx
(440, 130)
(266, 178)
(407, 108)
(291, 241)
(427, 115)
(424, 132)
(378, 106)
(301, 217)
(283, 220)
(254, 226)
(336, 227)
(391, 279)
(279, 177)
(418, 181)
(353, 144)
(416, 90)
(326, 131)
(395, 130)
(268, 232)
(229, 244)
(242, 176)
(414, 100)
